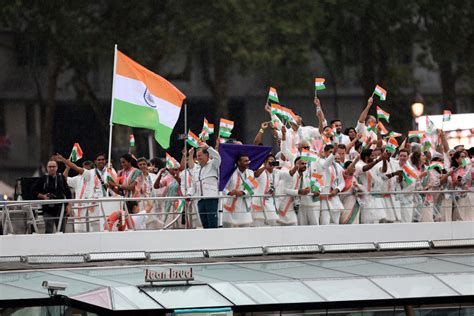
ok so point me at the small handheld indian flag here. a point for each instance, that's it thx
(436, 165)
(132, 140)
(192, 139)
(381, 92)
(308, 155)
(225, 128)
(171, 163)
(430, 127)
(418, 134)
(395, 134)
(392, 145)
(465, 162)
(112, 176)
(409, 174)
(446, 116)
(316, 182)
(285, 113)
(381, 114)
(319, 84)
(383, 130)
(277, 123)
(250, 184)
(273, 96)
(76, 152)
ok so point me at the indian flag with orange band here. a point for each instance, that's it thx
(285, 113)
(225, 128)
(409, 174)
(419, 134)
(381, 92)
(143, 99)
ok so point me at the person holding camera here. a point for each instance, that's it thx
(53, 186)
(265, 209)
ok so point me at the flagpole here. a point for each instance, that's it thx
(109, 157)
(185, 161)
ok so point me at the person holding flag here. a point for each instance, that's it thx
(129, 178)
(168, 184)
(91, 183)
(332, 184)
(240, 188)
(461, 180)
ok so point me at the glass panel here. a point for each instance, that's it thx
(16, 293)
(463, 283)
(427, 265)
(232, 293)
(364, 267)
(33, 281)
(85, 278)
(467, 260)
(347, 289)
(413, 286)
(233, 273)
(197, 296)
(132, 276)
(279, 292)
(297, 270)
(130, 297)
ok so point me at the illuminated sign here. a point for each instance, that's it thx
(169, 275)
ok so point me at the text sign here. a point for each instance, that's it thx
(169, 275)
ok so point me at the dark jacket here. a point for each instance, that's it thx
(56, 187)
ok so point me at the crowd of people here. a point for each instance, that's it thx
(318, 176)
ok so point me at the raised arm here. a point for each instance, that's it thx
(68, 163)
(258, 138)
(364, 113)
(351, 169)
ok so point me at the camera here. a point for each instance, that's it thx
(53, 287)
(275, 163)
(51, 196)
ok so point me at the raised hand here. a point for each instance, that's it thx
(264, 125)
(268, 108)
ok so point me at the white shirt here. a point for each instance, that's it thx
(207, 177)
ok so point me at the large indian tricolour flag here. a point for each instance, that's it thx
(143, 99)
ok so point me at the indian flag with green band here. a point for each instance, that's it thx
(316, 182)
(381, 114)
(225, 128)
(283, 112)
(192, 139)
(381, 92)
(465, 162)
(250, 184)
(319, 84)
(143, 99)
(132, 140)
(436, 164)
(76, 152)
(171, 163)
(308, 155)
(409, 174)
(392, 145)
(395, 134)
(418, 134)
(273, 96)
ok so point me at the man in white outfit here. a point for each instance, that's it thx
(238, 208)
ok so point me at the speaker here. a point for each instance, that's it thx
(25, 186)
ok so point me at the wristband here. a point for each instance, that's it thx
(261, 131)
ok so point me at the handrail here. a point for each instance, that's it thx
(172, 198)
